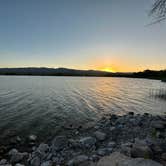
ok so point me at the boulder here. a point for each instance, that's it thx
(118, 159)
(139, 162)
(113, 160)
(141, 149)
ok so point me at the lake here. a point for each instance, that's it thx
(42, 105)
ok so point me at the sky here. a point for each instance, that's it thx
(111, 35)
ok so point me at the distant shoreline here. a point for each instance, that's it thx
(147, 74)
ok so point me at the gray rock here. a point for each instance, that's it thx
(103, 151)
(18, 164)
(163, 156)
(160, 125)
(43, 149)
(87, 142)
(100, 135)
(32, 137)
(46, 163)
(118, 159)
(139, 162)
(78, 160)
(3, 161)
(111, 144)
(17, 157)
(140, 149)
(59, 143)
(12, 152)
(35, 161)
(94, 157)
(113, 160)
(18, 139)
(112, 129)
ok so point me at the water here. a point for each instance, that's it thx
(42, 105)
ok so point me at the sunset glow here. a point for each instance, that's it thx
(93, 35)
(108, 69)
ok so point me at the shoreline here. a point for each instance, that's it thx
(129, 136)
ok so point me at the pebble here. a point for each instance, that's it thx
(78, 160)
(32, 137)
(3, 161)
(59, 143)
(100, 135)
(18, 164)
(87, 142)
(35, 161)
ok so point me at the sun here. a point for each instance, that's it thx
(108, 69)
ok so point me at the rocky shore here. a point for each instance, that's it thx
(128, 140)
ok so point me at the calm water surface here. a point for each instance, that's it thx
(30, 104)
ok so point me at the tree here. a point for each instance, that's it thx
(159, 10)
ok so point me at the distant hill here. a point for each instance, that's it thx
(151, 74)
(52, 72)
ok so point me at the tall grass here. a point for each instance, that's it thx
(160, 93)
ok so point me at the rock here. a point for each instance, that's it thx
(78, 160)
(12, 152)
(18, 157)
(139, 162)
(100, 135)
(43, 149)
(18, 164)
(104, 151)
(46, 163)
(32, 137)
(59, 143)
(113, 160)
(74, 143)
(159, 125)
(126, 149)
(94, 158)
(18, 139)
(118, 159)
(112, 129)
(140, 149)
(3, 161)
(35, 161)
(163, 156)
(111, 144)
(87, 142)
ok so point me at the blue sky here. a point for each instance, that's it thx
(83, 34)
